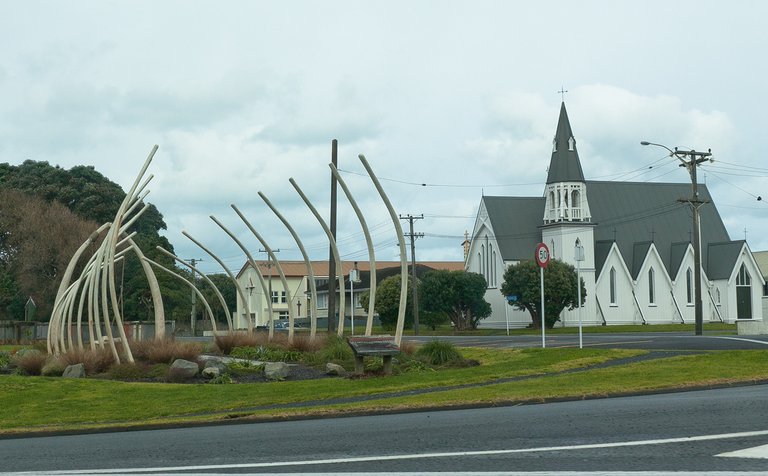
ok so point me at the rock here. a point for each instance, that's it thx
(212, 361)
(276, 370)
(74, 371)
(52, 368)
(24, 352)
(211, 372)
(182, 370)
(335, 369)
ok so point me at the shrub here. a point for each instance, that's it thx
(127, 371)
(304, 344)
(335, 349)
(53, 368)
(439, 352)
(95, 361)
(226, 342)
(30, 362)
(270, 354)
(413, 366)
(245, 368)
(222, 379)
(165, 351)
(158, 371)
(408, 348)
(5, 359)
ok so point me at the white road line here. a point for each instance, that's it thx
(369, 459)
(738, 338)
(759, 452)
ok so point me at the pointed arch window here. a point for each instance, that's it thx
(554, 144)
(494, 269)
(743, 279)
(575, 199)
(689, 286)
(651, 286)
(612, 285)
(482, 259)
(571, 143)
(491, 274)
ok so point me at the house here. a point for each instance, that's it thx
(638, 253)
(298, 294)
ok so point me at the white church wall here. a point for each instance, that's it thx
(655, 298)
(622, 309)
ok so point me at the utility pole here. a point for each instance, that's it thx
(331, 260)
(413, 237)
(269, 268)
(694, 158)
(192, 317)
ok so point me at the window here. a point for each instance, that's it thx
(612, 285)
(482, 260)
(717, 295)
(494, 269)
(689, 286)
(743, 279)
(282, 315)
(322, 301)
(491, 266)
(571, 143)
(651, 287)
(575, 199)
(278, 297)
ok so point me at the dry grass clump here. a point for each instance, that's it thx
(226, 342)
(95, 361)
(303, 343)
(30, 363)
(408, 348)
(165, 351)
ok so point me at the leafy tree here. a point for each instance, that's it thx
(37, 242)
(458, 294)
(226, 288)
(388, 302)
(523, 280)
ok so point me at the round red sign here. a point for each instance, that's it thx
(542, 255)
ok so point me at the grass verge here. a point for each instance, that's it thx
(30, 404)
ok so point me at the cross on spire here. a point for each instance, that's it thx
(562, 93)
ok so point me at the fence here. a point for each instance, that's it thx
(19, 331)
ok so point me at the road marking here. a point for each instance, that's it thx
(759, 452)
(471, 473)
(739, 339)
(416, 456)
(598, 344)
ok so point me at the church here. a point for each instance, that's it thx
(638, 260)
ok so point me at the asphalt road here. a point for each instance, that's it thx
(630, 340)
(658, 433)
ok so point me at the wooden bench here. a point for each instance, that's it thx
(373, 346)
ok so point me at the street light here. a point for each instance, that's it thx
(694, 159)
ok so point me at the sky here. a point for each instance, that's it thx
(447, 100)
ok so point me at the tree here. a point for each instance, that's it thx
(458, 294)
(37, 241)
(226, 288)
(388, 302)
(523, 280)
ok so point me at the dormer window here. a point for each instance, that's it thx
(554, 144)
(571, 143)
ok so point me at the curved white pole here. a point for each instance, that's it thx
(371, 254)
(334, 250)
(401, 241)
(307, 263)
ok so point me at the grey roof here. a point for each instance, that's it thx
(564, 166)
(762, 261)
(722, 258)
(639, 252)
(676, 255)
(628, 212)
(515, 222)
(634, 212)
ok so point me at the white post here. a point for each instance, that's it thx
(579, 257)
(506, 315)
(543, 325)
(352, 301)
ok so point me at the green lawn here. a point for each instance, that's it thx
(41, 404)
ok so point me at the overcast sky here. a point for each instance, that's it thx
(461, 96)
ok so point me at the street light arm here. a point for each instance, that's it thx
(671, 152)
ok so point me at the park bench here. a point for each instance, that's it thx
(383, 346)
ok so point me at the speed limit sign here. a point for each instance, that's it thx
(542, 255)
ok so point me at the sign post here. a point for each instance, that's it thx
(542, 259)
(579, 257)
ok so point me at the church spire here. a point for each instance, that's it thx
(564, 166)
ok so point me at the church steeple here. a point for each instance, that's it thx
(564, 166)
(566, 191)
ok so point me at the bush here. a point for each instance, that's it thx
(30, 362)
(336, 349)
(5, 359)
(95, 361)
(304, 344)
(269, 354)
(165, 351)
(53, 368)
(226, 342)
(413, 366)
(222, 379)
(439, 352)
(245, 368)
(127, 371)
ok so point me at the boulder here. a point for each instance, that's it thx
(74, 371)
(335, 369)
(213, 361)
(23, 352)
(182, 370)
(211, 372)
(276, 370)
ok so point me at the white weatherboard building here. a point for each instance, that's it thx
(638, 253)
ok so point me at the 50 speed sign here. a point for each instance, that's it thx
(542, 255)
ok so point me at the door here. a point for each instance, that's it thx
(744, 294)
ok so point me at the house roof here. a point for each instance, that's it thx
(639, 252)
(676, 256)
(722, 258)
(762, 261)
(564, 165)
(515, 222)
(628, 213)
